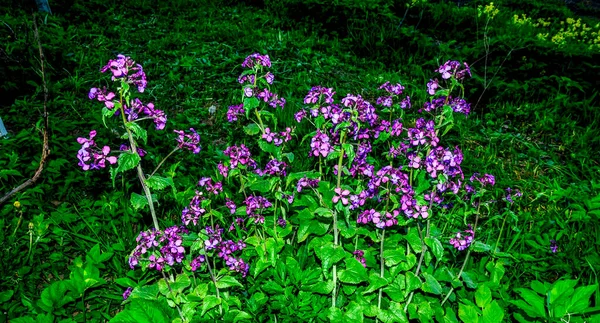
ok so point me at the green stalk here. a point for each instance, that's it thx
(335, 228)
(140, 172)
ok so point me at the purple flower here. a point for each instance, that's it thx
(90, 156)
(269, 77)
(432, 86)
(359, 255)
(281, 222)
(462, 241)
(189, 141)
(197, 262)
(341, 195)
(234, 112)
(127, 292)
(553, 246)
(509, 192)
(320, 144)
(239, 155)
(256, 59)
(306, 182)
(319, 94)
(122, 68)
(102, 95)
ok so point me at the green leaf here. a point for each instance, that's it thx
(561, 290)
(536, 302)
(479, 246)
(375, 282)
(431, 284)
(580, 301)
(414, 241)
(483, 296)
(252, 129)
(145, 311)
(396, 290)
(127, 161)
(53, 296)
(412, 282)
(330, 254)
(6, 295)
(261, 185)
(393, 257)
(138, 201)
(228, 281)
(138, 131)
(468, 313)
(493, 313)
(209, 302)
(423, 183)
(250, 103)
(289, 156)
(436, 247)
(354, 313)
(354, 273)
(158, 183)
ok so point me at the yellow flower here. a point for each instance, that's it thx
(17, 204)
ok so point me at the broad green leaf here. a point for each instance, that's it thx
(412, 282)
(261, 185)
(158, 183)
(534, 300)
(493, 313)
(6, 295)
(138, 201)
(393, 257)
(145, 311)
(354, 313)
(483, 296)
(436, 247)
(209, 302)
(53, 296)
(431, 284)
(396, 290)
(354, 273)
(252, 129)
(138, 131)
(335, 315)
(329, 254)
(127, 161)
(375, 283)
(479, 246)
(241, 315)
(468, 313)
(561, 290)
(323, 288)
(580, 301)
(423, 184)
(414, 241)
(250, 103)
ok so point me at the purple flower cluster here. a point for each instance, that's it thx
(255, 205)
(319, 94)
(462, 241)
(239, 155)
(360, 256)
(91, 156)
(320, 145)
(103, 96)
(274, 167)
(267, 96)
(306, 182)
(189, 141)
(256, 59)
(162, 247)
(122, 68)
(485, 180)
(423, 134)
(380, 220)
(393, 90)
(235, 111)
(451, 68)
(224, 250)
(127, 292)
(194, 210)
(509, 194)
(277, 138)
(137, 107)
(211, 186)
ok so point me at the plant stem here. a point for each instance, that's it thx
(212, 276)
(381, 267)
(163, 160)
(335, 228)
(171, 291)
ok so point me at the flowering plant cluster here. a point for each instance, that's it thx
(378, 178)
